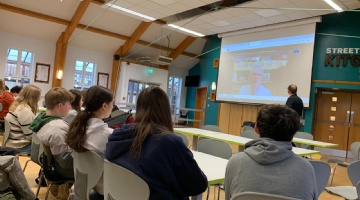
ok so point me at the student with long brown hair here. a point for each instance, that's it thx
(151, 150)
(87, 131)
(21, 113)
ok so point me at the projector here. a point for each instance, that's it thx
(161, 60)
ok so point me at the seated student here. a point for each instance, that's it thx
(51, 130)
(268, 164)
(21, 113)
(13, 184)
(75, 106)
(87, 131)
(151, 150)
(6, 99)
(15, 91)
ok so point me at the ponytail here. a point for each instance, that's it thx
(77, 131)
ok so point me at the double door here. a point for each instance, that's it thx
(337, 117)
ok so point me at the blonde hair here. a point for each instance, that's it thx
(57, 95)
(29, 95)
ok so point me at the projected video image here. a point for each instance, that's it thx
(259, 71)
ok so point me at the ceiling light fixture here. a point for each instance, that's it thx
(186, 30)
(334, 5)
(130, 11)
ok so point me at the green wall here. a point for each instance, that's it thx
(208, 74)
(338, 30)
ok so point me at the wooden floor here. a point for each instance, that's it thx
(32, 170)
(341, 178)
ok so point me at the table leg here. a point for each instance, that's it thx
(195, 142)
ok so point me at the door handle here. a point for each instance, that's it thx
(347, 116)
(352, 117)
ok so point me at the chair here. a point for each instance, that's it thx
(184, 138)
(249, 132)
(211, 128)
(7, 127)
(53, 177)
(348, 192)
(322, 174)
(355, 149)
(122, 184)
(303, 135)
(35, 156)
(88, 170)
(259, 196)
(117, 113)
(216, 148)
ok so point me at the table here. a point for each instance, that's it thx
(314, 143)
(213, 167)
(232, 139)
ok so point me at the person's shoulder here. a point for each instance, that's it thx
(238, 159)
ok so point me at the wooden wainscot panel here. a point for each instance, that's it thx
(236, 114)
(224, 117)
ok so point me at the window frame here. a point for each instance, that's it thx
(18, 75)
(130, 98)
(84, 74)
(175, 103)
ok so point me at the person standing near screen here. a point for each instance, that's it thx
(294, 101)
(255, 88)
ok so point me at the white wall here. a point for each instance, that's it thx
(138, 73)
(102, 60)
(43, 51)
(182, 73)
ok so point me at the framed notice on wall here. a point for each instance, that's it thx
(42, 73)
(103, 79)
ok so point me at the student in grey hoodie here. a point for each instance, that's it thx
(268, 164)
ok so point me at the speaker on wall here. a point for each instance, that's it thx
(116, 57)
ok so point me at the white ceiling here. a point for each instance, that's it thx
(252, 14)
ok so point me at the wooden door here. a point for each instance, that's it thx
(354, 132)
(201, 96)
(331, 117)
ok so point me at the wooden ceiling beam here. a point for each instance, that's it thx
(81, 26)
(133, 38)
(62, 42)
(182, 46)
(80, 11)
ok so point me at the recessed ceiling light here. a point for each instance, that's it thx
(130, 11)
(186, 30)
(334, 5)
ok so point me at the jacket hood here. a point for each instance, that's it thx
(120, 141)
(268, 151)
(40, 121)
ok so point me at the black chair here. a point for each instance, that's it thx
(53, 177)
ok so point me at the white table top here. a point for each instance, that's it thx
(242, 140)
(212, 166)
(314, 143)
(233, 139)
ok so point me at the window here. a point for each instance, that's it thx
(84, 75)
(174, 93)
(18, 67)
(134, 89)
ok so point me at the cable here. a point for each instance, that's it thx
(97, 17)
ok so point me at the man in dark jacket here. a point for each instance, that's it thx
(294, 101)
